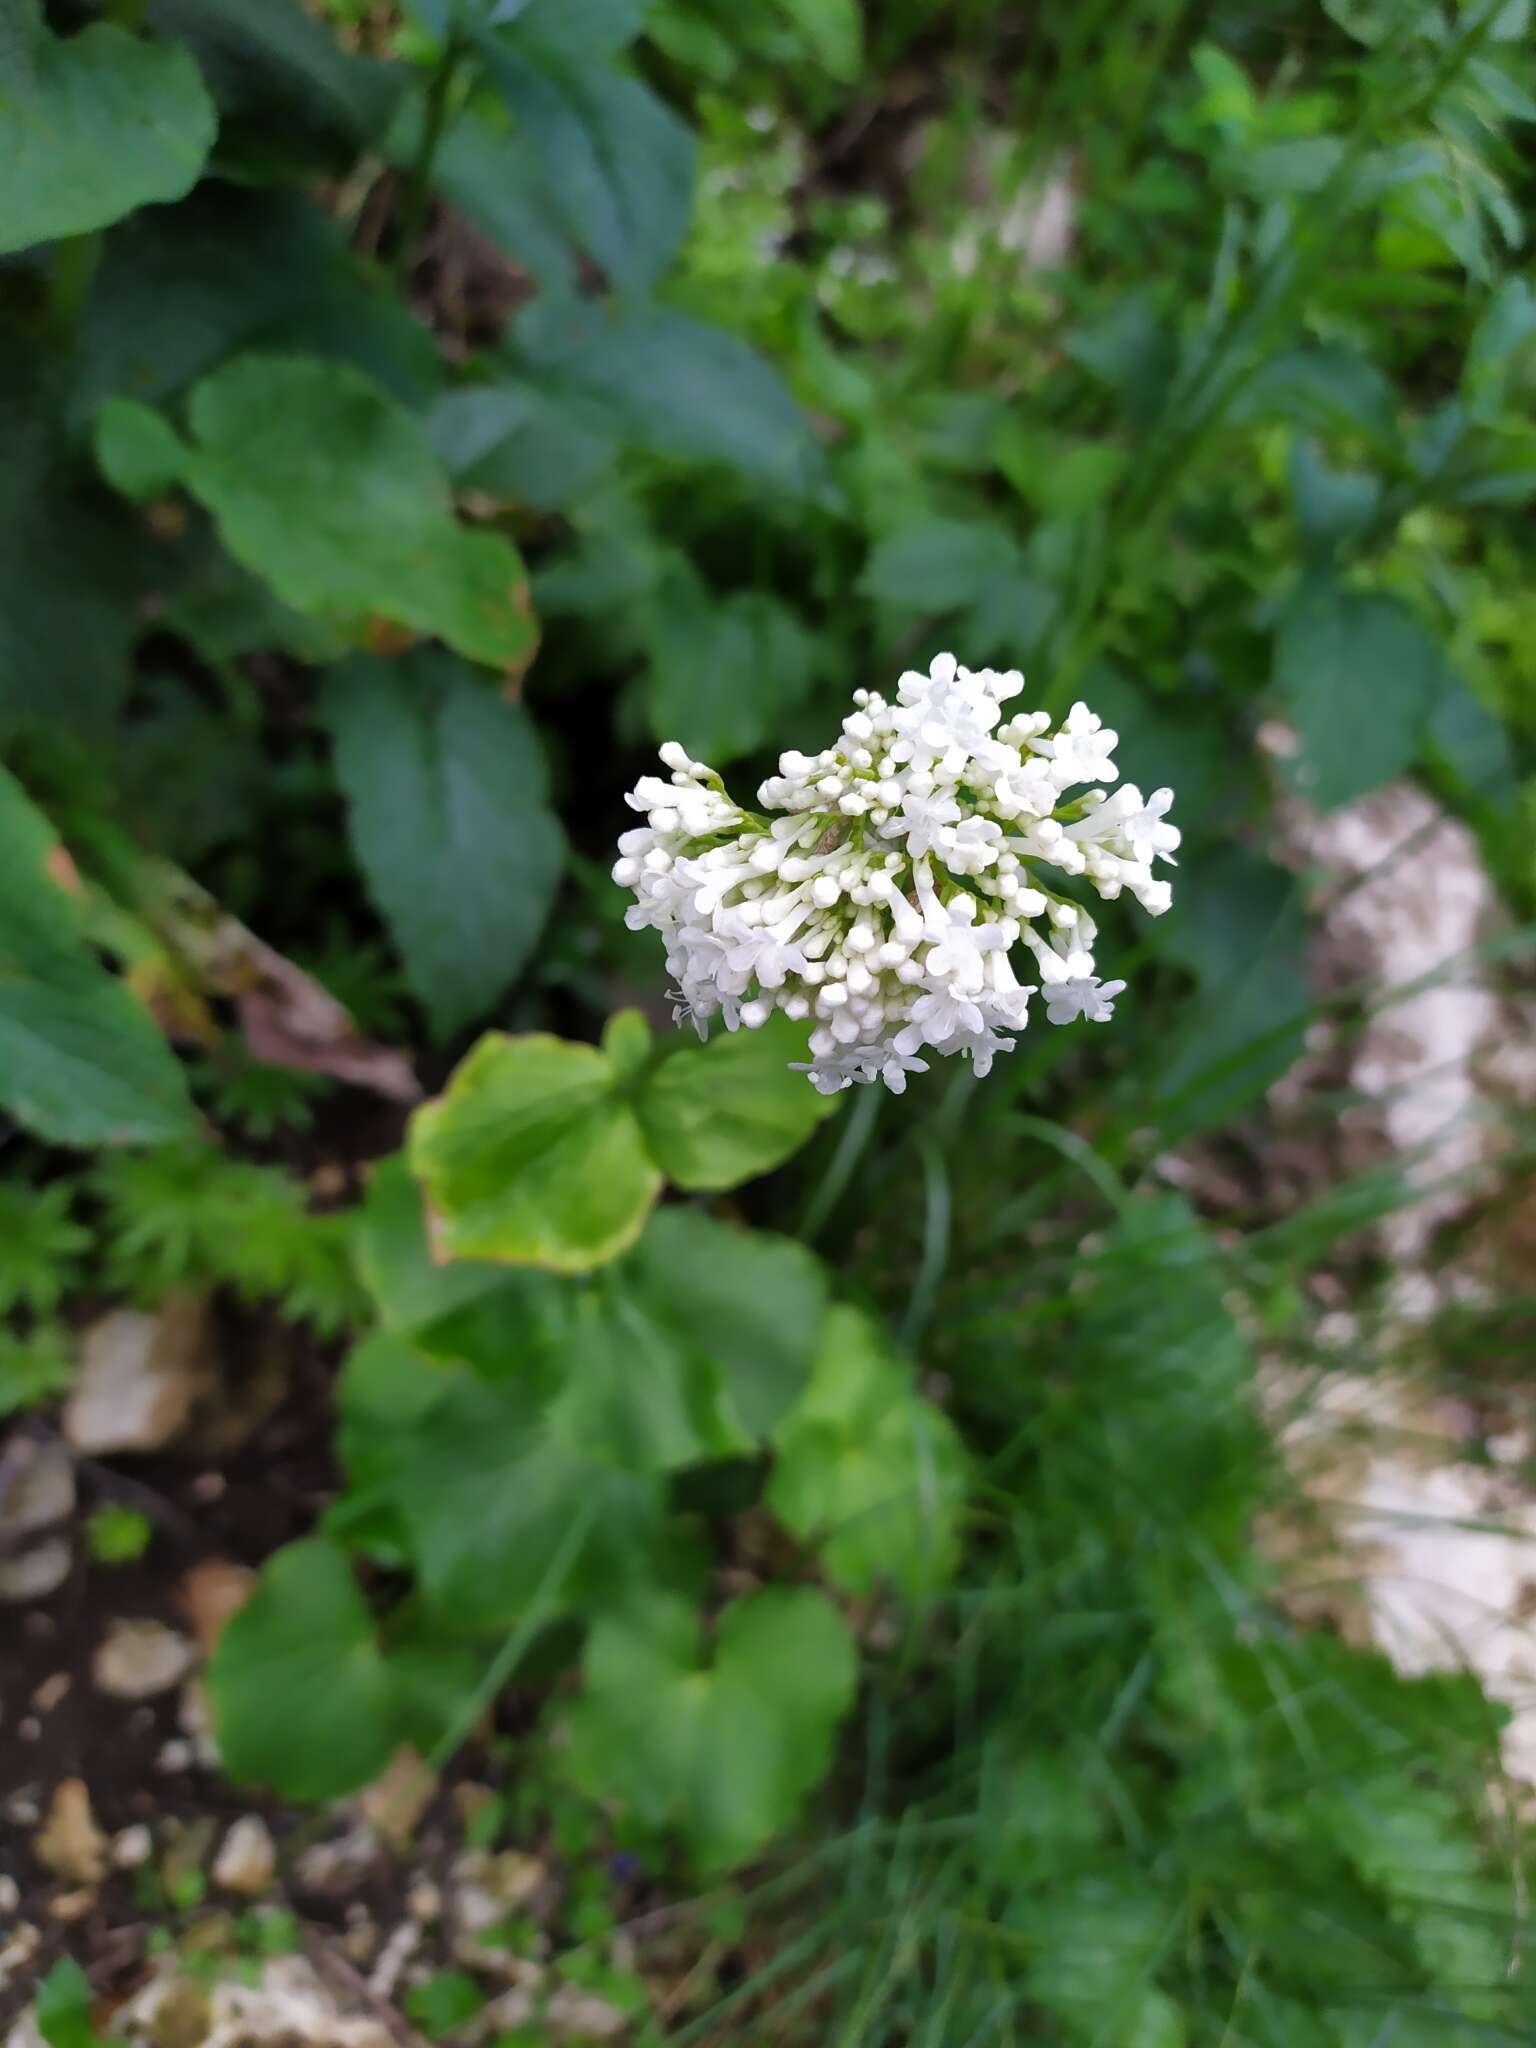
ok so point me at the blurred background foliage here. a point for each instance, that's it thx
(414, 414)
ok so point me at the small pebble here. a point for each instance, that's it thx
(134, 1846)
(246, 1858)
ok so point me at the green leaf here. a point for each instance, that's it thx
(675, 386)
(866, 1469)
(1332, 505)
(415, 1294)
(722, 673)
(302, 1701)
(81, 1061)
(330, 491)
(614, 166)
(69, 571)
(448, 809)
(576, 31)
(182, 288)
(139, 452)
(106, 124)
(488, 1488)
(724, 1750)
(833, 32)
(62, 2008)
(941, 566)
(531, 1155)
(516, 442)
(1359, 677)
(690, 1347)
(716, 1114)
(291, 101)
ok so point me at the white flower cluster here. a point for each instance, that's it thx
(887, 881)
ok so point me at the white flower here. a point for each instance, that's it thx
(882, 889)
(1087, 997)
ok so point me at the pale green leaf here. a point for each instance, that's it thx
(532, 1156)
(724, 1747)
(139, 451)
(716, 1115)
(329, 490)
(106, 123)
(866, 1469)
(448, 808)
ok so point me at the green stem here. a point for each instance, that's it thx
(74, 267)
(539, 1610)
(418, 184)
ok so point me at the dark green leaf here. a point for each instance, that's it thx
(181, 288)
(81, 1061)
(673, 385)
(68, 571)
(107, 123)
(942, 566)
(516, 442)
(448, 806)
(722, 672)
(62, 2008)
(290, 99)
(615, 166)
(1359, 677)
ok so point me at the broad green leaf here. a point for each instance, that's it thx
(614, 165)
(715, 1115)
(722, 672)
(1326, 388)
(62, 2007)
(414, 1293)
(834, 33)
(689, 1347)
(576, 31)
(941, 566)
(107, 123)
(516, 442)
(531, 1155)
(182, 288)
(866, 1469)
(138, 450)
(70, 568)
(489, 1488)
(291, 101)
(81, 1061)
(302, 1700)
(1333, 506)
(1359, 677)
(448, 808)
(330, 491)
(724, 1747)
(675, 386)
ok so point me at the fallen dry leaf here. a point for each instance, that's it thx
(399, 1796)
(210, 1593)
(288, 1018)
(69, 1843)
